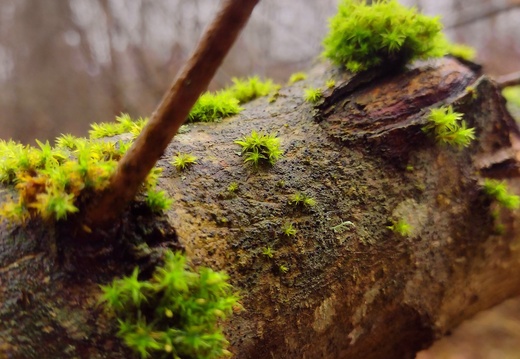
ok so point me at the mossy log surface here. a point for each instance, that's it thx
(354, 288)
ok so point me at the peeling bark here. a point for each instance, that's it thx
(354, 288)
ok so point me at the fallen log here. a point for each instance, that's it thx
(344, 285)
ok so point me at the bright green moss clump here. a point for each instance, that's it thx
(260, 147)
(123, 124)
(312, 94)
(462, 51)
(363, 36)
(176, 314)
(297, 76)
(214, 106)
(53, 182)
(245, 90)
(449, 128)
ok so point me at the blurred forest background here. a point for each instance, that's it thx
(67, 63)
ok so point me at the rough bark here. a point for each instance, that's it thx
(355, 290)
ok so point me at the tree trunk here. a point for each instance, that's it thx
(354, 288)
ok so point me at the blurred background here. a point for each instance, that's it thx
(67, 63)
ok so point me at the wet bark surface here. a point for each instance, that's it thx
(354, 288)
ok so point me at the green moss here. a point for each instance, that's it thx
(283, 268)
(363, 36)
(123, 124)
(301, 199)
(68, 141)
(449, 128)
(158, 201)
(499, 191)
(53, 182)
(268, 252)
(401, 227)
(512, 95)
(245, 90)
(343, 226)
(330, 84)
(280, 183)
(288, 230)
(48, 182)
(462, 51)
(259, 148)
(214, 106)
(297, 76)
(211, 107)
(233, 187)
(153, 177)
(175, 314)
(312, 94)
(183, 160)
(275, 93)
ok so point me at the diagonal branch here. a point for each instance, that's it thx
(172, 111)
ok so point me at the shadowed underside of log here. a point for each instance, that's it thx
(353, 289)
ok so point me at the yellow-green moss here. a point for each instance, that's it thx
(297, 76)
(462, 51)
(499, 191)
(183, 160)
(448, 127)
(53, 182)
(312, 94)
(260, 147)
(214, 106)
(245, 90)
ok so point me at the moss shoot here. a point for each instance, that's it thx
(449, 128)
(312, 95)
(499, 191)
(259, 148)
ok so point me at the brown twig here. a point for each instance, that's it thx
(512, 79)
(171, 112)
